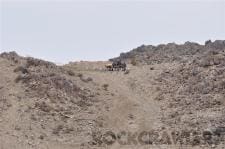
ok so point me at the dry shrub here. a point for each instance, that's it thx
(57, 129)
(133, 62)
(151, 68)
(23, 77)
(21, 69)
(82, 78)
(80, 75)
(43, 106)
(105, 86)
(18, 78)
(159, 97)
(127, 72)
(71, 73)
(87, 79)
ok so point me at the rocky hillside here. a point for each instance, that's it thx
(175, 93)
(169, 52)
(43, 102)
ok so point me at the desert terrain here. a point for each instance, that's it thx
(174, 93)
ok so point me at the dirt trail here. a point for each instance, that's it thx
(130, 108)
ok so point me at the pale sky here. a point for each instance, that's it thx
(71, 30)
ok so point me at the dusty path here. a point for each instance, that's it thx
(130, 110)
(132, 107)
